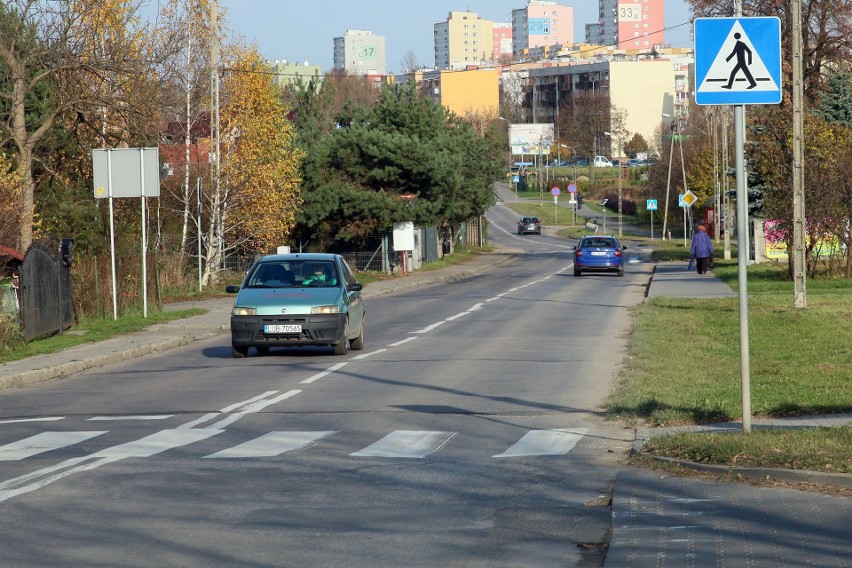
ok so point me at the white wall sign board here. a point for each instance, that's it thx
(127, 166)
(403, 236)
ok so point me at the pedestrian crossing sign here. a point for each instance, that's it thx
(737, 61)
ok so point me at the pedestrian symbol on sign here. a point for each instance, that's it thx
(740, 50)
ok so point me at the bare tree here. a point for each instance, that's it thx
(582, 122)
(409, 62)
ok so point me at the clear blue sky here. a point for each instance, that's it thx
(299, 30)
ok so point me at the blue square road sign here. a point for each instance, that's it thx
(737, 61)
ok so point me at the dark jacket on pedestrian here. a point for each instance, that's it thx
(702, 246)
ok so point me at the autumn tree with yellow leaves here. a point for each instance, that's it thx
(258, 195)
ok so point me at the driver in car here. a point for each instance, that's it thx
(320, 277)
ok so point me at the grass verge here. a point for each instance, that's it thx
(815, 449)
(89, 331)
(683, 364)
(683, 367)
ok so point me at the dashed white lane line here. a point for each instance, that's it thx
(406, 340)
(252, 400)
(253, 408)
(363, 356)
(141, 417)
(429, 328)
(322, 374)
(45, 419)
(457, 316)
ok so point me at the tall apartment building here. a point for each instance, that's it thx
(541, 23)
(360, 52)
(631, 24)
(502, 40)
(463, 39)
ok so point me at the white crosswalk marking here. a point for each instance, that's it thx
(407, 444)
(156, 443)
(397, 444)
(545, 443)
(273, 444)
(43, 442)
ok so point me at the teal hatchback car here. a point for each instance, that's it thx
(290, 300)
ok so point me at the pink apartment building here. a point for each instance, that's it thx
(632, 24)
(502, 40)
(541, 23)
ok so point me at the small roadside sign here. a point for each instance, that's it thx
(651, 204)
(555, 191)
(572, 188)
(687, 199)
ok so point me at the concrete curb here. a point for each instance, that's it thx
(73, 367)
(841, 480)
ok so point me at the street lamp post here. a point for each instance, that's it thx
(620, 230)
(511, 174)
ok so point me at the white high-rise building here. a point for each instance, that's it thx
(360, 52)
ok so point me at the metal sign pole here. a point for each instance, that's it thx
(144, 237)
(112, 236)
(742, 262)
(198, 207)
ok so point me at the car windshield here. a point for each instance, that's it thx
(292, 273)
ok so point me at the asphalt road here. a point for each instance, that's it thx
(467, 433)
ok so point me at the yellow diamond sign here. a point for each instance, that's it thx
(688, 199)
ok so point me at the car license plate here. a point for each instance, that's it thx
(282, 329)
(598, 253)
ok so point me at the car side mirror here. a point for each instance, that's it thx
(624, 247)
(232, 289)
(574, 247)
(356, 287)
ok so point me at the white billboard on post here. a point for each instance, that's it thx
(121, 172)
(531, 138)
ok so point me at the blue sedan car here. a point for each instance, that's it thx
(599, 253)
(289, 300)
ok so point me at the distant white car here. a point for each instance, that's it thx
(602, 162)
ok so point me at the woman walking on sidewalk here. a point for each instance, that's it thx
(702, 249)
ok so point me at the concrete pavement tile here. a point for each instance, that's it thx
(665, 521)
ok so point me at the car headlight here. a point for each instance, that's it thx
(325, 310)
(237, 311)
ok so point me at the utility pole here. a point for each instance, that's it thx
(799, 284)
(669, 178)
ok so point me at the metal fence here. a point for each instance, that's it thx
(46, 306)
(379, 255)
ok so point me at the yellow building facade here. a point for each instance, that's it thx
(466, 93)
